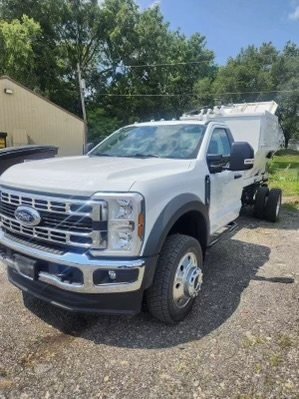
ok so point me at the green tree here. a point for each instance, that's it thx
(70, 35)
(147, 60)
(100, 124)
(128, 57)
(16, 43)
(286, 72)
(80, 31)
(248, 77)
(263, 74)
(48, 67)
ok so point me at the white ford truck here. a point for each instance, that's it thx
(133, 218)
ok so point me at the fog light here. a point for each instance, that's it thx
(112, 275)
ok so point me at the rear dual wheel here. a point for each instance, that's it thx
(268, 203)
(273, 205)
(260, 201)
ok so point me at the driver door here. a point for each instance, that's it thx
(225, 186)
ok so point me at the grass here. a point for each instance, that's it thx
(3, 373)
(284, 174)
(276, 360)
(285, 342)
(291, 205)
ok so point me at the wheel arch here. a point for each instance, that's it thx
(185, 214)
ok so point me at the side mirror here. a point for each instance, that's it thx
(242, 156)
(89, 147)
(216, 163)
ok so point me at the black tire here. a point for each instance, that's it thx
(260, 202)
(273, 205)
(159, 296)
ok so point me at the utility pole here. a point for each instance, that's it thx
(82, 88)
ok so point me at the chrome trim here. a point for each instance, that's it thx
(49, 235)
(83, 263)
(42, 247)
(61, 205)
(95, 210)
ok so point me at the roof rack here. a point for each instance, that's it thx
(206, 114)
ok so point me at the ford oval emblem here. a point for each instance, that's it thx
(27, 216)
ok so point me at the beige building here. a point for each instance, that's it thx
(29, 118)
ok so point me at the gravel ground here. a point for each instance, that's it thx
(240, 341)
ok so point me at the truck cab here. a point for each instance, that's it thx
(131, 220)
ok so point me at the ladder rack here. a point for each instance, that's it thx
(231, 110)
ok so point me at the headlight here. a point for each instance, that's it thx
(125, 223)
(122, 209)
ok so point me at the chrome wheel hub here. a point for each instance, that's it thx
(187, 281)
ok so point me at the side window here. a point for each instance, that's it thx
(220, 143)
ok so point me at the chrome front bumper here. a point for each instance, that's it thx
(83, 262)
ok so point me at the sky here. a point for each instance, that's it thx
(230, 25)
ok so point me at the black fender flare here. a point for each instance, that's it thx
(176, 208)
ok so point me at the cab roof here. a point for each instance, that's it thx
(169, 123)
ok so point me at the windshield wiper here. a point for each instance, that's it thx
(102, 155)
(140, 155)
(137, 155)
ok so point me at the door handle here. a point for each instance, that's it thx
(238, 176)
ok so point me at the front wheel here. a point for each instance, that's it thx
(178, 279)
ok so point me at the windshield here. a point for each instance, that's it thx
(181, 141)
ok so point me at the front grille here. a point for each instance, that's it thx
(41, 247)
(71, 222)
(54, 220)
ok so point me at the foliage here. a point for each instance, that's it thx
(136, 41)
(51, 74)
(134, 65)
(262, 74)
(284, 173)
(287, 76)
(247, 77)
(16, 47)
(292, 205)
(100, 124)
(80, 33)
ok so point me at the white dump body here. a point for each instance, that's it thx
(255, 123)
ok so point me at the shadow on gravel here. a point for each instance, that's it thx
(229, 267)
(288, 219)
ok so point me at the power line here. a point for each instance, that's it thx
(195, 94)
(165, 64)
(199, 62)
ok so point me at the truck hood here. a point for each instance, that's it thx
(86, 175)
